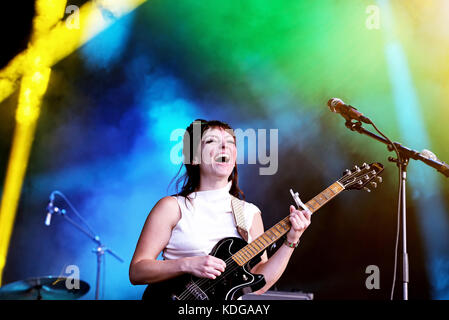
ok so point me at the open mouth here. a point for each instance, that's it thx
(222, 158)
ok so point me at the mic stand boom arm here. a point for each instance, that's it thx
(405, 152)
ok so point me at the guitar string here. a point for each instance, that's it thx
(236, 266)
(202, 281)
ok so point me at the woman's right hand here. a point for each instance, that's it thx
(204, 266)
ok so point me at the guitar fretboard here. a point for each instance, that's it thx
(273, 234)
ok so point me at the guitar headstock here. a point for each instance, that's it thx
(359, 177)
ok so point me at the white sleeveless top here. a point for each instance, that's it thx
(204, 223)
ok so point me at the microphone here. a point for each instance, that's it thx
(348, 112)
(437, 163)
(50, 210)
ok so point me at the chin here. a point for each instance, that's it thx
(224, 173)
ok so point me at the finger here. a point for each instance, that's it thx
(222, 263)
(296, 222)
(213, 259)
(294, 213)
(303, 218)
(219, 266)
(210, 276)
(300, 222)
(218, 263)
(307, 214)
(214, 271)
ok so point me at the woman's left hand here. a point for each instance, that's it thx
(300, 220)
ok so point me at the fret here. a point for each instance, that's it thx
(250, 248)
(323, 196)
(275, 231)
(264, 242)
(329, 190)
(315, 206)
(246, 253)
(319, 200)
(336, 187)
(329, 193)
(241, 254)
(242, 258)
(310, 205)
(269, 237)
(255, 242)
(282, 227)
(279, 229)
(327, 197)
(285, 225)
(258, 250)
(237, 259)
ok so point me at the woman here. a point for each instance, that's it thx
(187, 226)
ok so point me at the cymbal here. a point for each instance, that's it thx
(44, 288)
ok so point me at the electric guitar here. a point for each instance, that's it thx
(240, 256)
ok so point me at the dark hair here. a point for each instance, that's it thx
(191, 178)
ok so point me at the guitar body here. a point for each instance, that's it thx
(229, 285)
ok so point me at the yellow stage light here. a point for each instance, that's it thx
(63, 37)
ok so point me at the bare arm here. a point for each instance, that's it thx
(156, 232)
(155, 235)
(273, 268)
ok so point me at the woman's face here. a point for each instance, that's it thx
(218, 152)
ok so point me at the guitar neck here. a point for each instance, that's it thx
(273, 234)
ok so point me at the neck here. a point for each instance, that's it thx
(212, 183)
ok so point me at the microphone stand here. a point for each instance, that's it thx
(405, 154)
(100, 250)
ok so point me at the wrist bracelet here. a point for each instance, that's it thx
(291, 244)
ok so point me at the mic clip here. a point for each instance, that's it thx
(353, 124)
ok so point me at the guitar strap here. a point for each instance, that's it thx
(240, 222)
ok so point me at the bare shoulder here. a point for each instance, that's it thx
(166, 209)
(167, 202)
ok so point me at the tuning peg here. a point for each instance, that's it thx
(373, 184)
(347, 171)
(365, 166)
(379, 179)
(356, 168)
(366, 189)
(367, 177)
